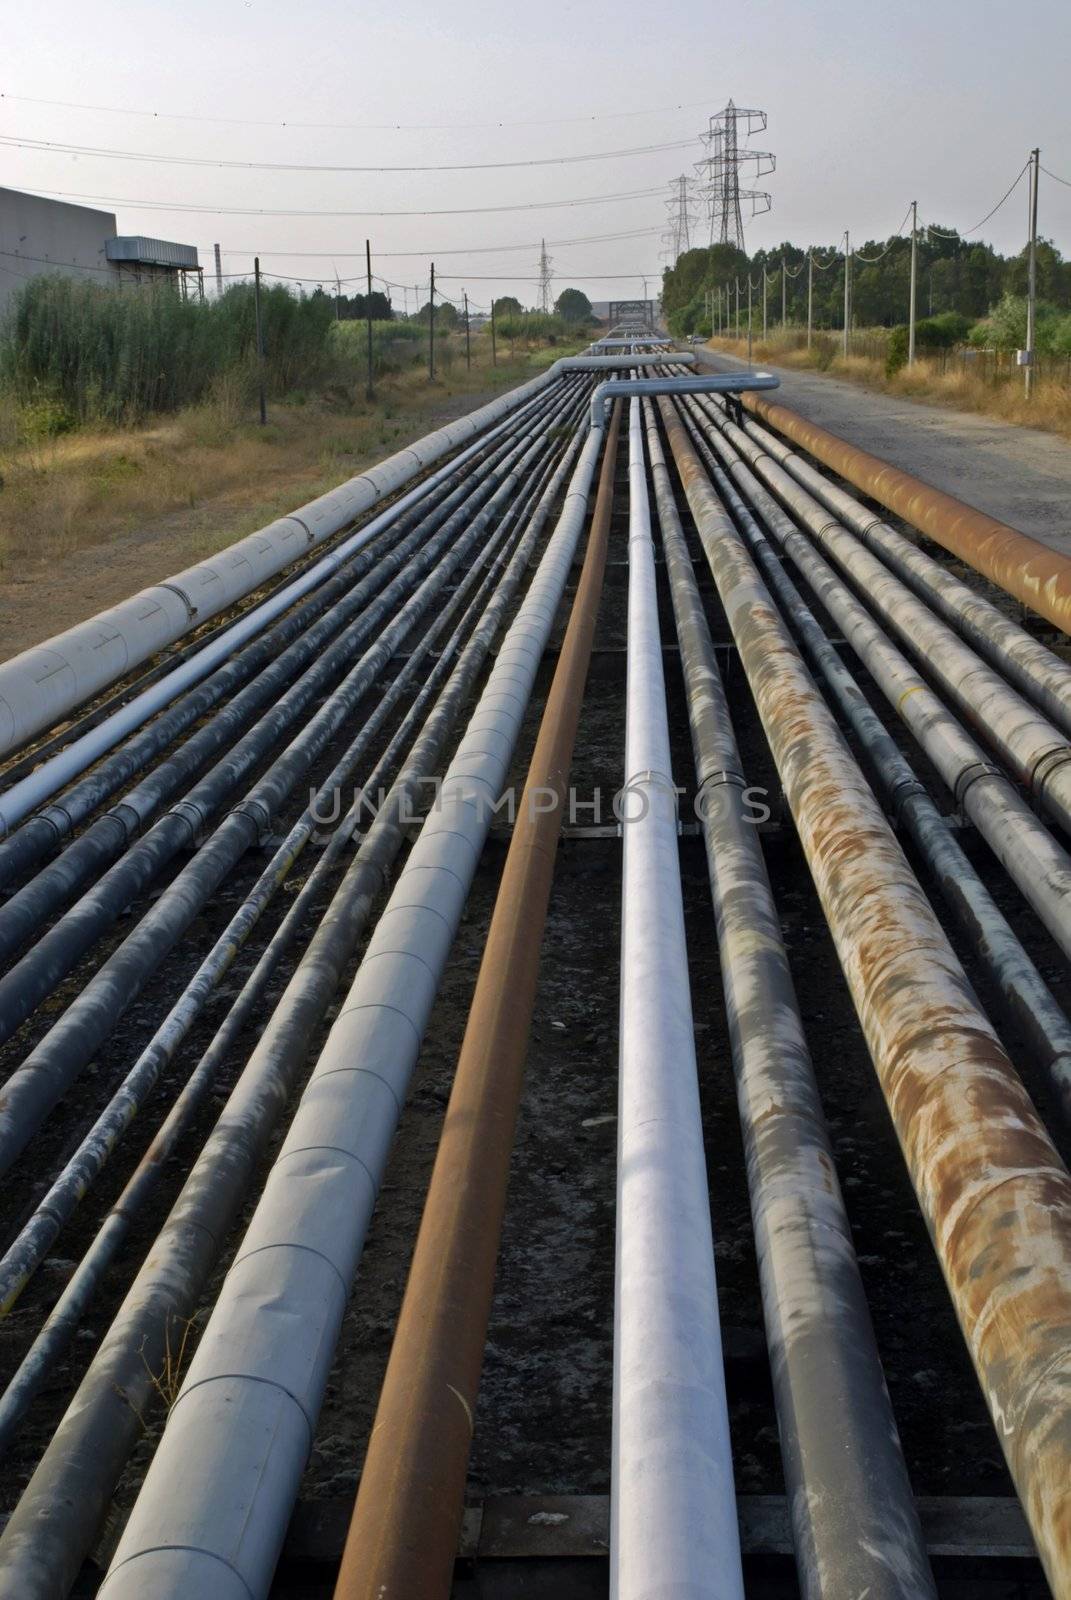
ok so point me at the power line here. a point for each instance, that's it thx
(1006, 196)
(105, 153)
(1065, 181)
(272, 211)
(432, 254)
(354, 127)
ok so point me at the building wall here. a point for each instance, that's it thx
(38, 235)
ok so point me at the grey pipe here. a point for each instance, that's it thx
(56, 1520)
(1037, 752)
(246, 1411)
(721, 383)
(1026, 996)
(854, 1523)
(1024, 660)
(1034, 859)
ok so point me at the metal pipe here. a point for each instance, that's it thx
(1035, 574)
(993, 1190)
(23, 797)
(246, 1410)
(1028, 742)
(52, 1065)
(855, 1527)
(69, 1310)
(1037, 862)
(672, 1508)
(1024, 992)
(414, 1470)
(56, 1520)
(720, 383)
(67, 1190)
(1024, 660)
(271, 668)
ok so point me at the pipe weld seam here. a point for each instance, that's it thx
(975, 773)
(192, 1549)
(1049, 762)
(175, 588)
(372, 1005)
(333, 1072)
(244, 1377)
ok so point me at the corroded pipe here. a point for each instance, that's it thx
(404, 1533)
(1031, 571)
(995, 1194)
(854, 1525)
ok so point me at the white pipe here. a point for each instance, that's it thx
(31, 791)
(673, 1527)
(44, 684)
(214, 1506)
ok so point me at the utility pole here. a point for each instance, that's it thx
(1032, 273)
(784, 294)
(912, 299)
(468, 347)
(764, 301)
(260, 341)
(431, 329)
(847, 294)
(749, 314)
(338, 297)
(810, 295)
(494, 338)
(219, 271)
(368, 309)
(738, 308)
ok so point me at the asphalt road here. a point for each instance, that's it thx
(1021, 476)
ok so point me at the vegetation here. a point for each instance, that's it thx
(572, 305)
(73, 351)
(955, 275)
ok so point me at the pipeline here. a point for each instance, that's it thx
(672, 1509)
(1026, 996)
(42, 685)
(63, 1321)
(1034, 859)
(57, 1518)
(25, 796)
(855, 1527)
(993, 1190)
(404, 1534)
(1024, 567)
(1024, 660)
(47, 1072)
(68, 1189)
(248, 1406)
(620, 388)
(1035, 750)
(106, 838)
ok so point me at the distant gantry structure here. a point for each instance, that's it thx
(721, 168)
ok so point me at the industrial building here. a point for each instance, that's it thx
(40, 235)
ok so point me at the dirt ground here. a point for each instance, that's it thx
(1019, 475)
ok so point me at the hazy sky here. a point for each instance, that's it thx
(870, 106)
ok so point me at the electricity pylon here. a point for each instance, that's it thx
(545, 265)
(678, 236)
(721, 170)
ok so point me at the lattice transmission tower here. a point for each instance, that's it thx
(721, 169)
(682, 219)
(545, 275)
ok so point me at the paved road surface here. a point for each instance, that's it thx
(1019, 475)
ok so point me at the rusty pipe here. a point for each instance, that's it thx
(855, 1528)
(993, 1190)
(404, 1533)
(1022, 566)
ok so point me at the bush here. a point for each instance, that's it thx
(119, 355)
(942, 332)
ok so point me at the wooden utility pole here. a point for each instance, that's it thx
(1032, 274)
(494, 338)
(260, 341)
(468, 346)
(431, 329)
(368, 310)
(847, 294)
(913, 296)
(810, 295)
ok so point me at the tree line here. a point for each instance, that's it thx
(955, 275)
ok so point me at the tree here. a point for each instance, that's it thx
(445, 314)
(572, 305)
(507, 306)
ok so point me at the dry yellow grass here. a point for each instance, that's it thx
(84, 489)
(1049, 408)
